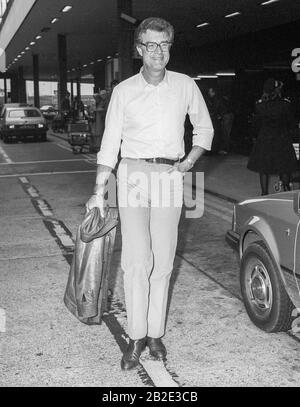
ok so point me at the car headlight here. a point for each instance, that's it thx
(11, 126)
(40, 126)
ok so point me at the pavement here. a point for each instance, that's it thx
(210, 339)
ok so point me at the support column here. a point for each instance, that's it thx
(62, 68)
(99, 77)
(21, 86)
(125, 46)
(36, 88)
(14, 84)
(72, 90)
(5, 88)
(78, 88)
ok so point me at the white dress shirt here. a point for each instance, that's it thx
(148, 121)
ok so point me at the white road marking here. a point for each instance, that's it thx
(158, 373)
(24, 180)
(47, 173)
(5, 156)
(44, 208)
(2, 320)
(62, 235)
(33, 192)
(41, 162)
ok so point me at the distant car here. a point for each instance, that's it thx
(266, 234)
(20, 123)
(48, 111)
(6, 105)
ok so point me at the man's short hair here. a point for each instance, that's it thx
(154, 24)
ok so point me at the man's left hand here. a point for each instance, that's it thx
(184, 166)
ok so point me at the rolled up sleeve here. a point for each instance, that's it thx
(110, 145)
(203, 130)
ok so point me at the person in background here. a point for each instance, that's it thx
(216, 107)
(146, 117)
(65, 111)
(273, 151)
(113, 84)
(226, 119)
(77, 108)
(222, 119)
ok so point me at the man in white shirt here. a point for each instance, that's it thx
(146, 118)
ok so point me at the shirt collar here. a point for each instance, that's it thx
(144, 83)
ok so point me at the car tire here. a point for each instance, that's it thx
(266, 300)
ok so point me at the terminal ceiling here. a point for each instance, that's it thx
(91, 28)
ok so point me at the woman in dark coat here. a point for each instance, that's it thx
(273, 152)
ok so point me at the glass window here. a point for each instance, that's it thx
(23, 113)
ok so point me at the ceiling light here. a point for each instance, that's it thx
(202, 25)
(54, 20)
(66, 9)
(19, 56)
(128, 18)
(99, 60)
(27, 48)
(92, 63)
(268, 2)
(108, 57)
(85, 65)
(197, 79)
(233, 14)
(38, 37)
(225, 74)
(206, 76)
(23, 52)
(32, 43)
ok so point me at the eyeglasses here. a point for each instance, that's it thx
(152, 46)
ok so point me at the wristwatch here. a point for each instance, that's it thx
(190, 161)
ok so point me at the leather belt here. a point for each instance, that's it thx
(159, 160)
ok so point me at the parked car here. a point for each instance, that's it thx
(48, 111)
(21, 123)
(266, 234)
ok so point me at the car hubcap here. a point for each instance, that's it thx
(259, 289)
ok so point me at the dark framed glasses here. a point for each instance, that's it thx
(152, 46)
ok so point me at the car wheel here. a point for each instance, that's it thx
(266, 300)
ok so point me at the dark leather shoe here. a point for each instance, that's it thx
(132, 354)
(156, 347)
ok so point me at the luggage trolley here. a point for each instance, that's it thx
(79, 136)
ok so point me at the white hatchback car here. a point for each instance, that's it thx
(22, 122)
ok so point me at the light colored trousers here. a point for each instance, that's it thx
(150, 202)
